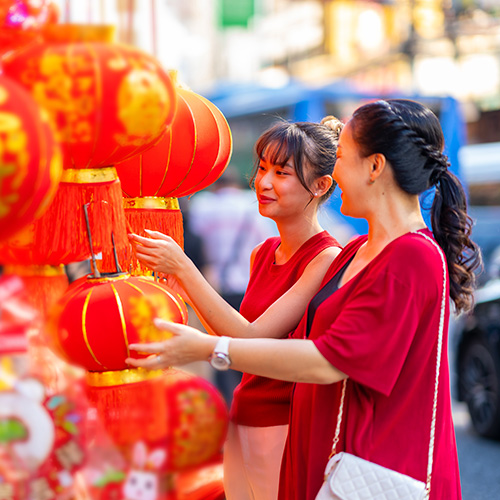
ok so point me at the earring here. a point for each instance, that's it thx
(371, 181)
(315, 194)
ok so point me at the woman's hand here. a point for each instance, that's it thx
(186, 345)
(159, 252)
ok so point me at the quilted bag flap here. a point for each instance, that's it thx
(353, 478)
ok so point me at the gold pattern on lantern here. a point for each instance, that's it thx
(14, 157)
(140, 96)
(143, 310)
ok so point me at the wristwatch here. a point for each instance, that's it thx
(220, 359)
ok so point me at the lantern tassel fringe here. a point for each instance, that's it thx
(62, 229)
(165, 221)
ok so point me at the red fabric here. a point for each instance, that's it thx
(381, 329)
(260, 401)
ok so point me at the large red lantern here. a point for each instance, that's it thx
(192, 154)
(108, 102)
(30, 160)
(96, 320)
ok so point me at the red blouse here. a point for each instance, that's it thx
(381, 329)
(260, 401)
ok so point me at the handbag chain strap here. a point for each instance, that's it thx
(430, 458)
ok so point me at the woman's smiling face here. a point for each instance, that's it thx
(350, 173)
(279, 191)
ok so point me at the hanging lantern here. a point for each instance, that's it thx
(192, 154)
(108, 102)
(182, 413)
(30, 160)
(96, 320)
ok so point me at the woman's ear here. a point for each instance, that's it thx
(378, 163)
(322, 185)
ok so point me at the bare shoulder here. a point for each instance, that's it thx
(324, 259)
(254, 253)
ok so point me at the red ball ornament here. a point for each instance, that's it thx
(96, 320)
(108, 102)
(30, 159)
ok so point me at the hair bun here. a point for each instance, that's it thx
(333, 123)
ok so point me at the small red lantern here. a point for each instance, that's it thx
(173, 409)
(30, 160)
(108, 102)
(96, 320)
(192, 154)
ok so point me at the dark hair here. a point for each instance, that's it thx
(311, 144)
(410, 137)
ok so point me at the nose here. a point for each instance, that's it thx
(265, 180)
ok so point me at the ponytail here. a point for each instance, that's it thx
(452, 228)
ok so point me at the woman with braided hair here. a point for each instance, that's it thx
(376, 321)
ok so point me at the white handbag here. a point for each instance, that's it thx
(348, 477)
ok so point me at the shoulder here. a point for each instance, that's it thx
(263, 249)
(416, 249)
(416, 260)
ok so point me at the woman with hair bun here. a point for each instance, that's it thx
(292, 177)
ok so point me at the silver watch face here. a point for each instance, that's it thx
(220, 361)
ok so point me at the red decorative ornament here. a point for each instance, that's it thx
(43, 438)
(96, 320)
(174, 410)
(30, 159)
(108, 102)
(21, 22)
(192, 154)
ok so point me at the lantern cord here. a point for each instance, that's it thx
(153, 27)
(130, 20)
(67, 9)
(89, 11)
(118, 268)
(97, 274)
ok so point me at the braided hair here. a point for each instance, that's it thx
(313, 147)
(410, 137)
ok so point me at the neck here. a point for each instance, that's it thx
(294, 233)
(393, 218)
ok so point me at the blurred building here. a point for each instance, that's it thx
(426, 47)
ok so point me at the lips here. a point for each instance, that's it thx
(264, 200)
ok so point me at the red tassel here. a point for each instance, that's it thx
(45, 285)
(164, 220)
(61, 232)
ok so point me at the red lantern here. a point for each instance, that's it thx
(175, 410)
(190, 156)
(30, 160)
(108, 102)
(96, 320)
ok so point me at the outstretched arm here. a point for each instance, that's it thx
(162, 254)
(291, 360)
